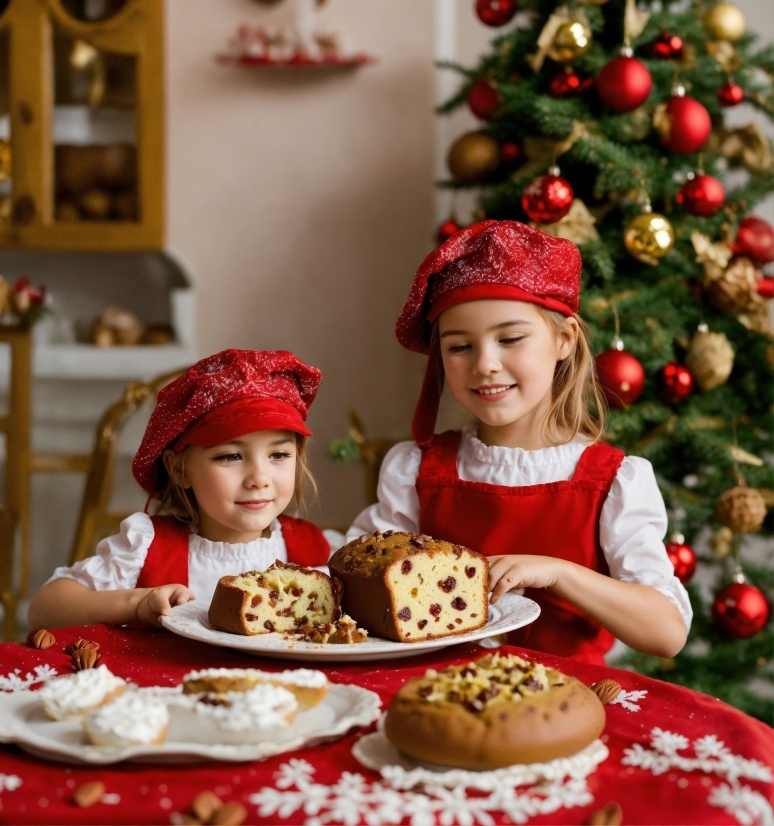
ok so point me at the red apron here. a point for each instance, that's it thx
(167, 558)
(560, 519)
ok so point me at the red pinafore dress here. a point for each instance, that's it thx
(559, 519)
(167, 559)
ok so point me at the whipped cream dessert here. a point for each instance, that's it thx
(77, 694)
(135, 718)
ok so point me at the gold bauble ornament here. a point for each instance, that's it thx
(473, 157)
(710, 358)
(649, 237)
(724, 21)
(722, 542)
(733, 290)
(571, 41)
(741, 509)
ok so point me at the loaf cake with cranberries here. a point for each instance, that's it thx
(282, 598)
(494, 712)
(411, 587)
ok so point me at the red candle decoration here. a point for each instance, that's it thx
(567, 83)
(674, 383)
(667, 46)
(702, 195)
(686, 125)
(740, 610)
(730, 94)
(620, 375)
(483, 99)
(624, 84)
(510, 152)
(496, 12)
(547, 199)
(682, 557)
(755, 239)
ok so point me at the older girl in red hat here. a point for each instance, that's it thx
(224, 455)
(569, 519)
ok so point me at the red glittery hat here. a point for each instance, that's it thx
(491, 259)
(223, 397)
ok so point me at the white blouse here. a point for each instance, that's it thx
(119, 559)
(632, 523)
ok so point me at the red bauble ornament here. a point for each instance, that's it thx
(730, 94)
(689, 125)
(674, 383)
(621, 376)
(740, 610)
(496, 12)
(755, 239)
(702, 195)
(682, 557)
(483, 99)
(667, 46)
(567, 83)
(624, 84)
(447, 229)
(547, 199)
(510, 152)
(765, 287)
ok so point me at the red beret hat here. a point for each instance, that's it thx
(223, 397)
(491, 259)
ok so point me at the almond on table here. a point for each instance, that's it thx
(205, 805)
(606, 690)
(89, 793)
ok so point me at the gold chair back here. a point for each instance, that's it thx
(372, 453)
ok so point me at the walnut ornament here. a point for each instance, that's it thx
(741, 509)
(710, 358)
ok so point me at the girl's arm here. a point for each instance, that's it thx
(638, 615)
(65, 602)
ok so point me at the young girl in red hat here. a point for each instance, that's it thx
(560, 514)
(224, 455)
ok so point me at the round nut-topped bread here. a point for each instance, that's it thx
(410, 587)
(494, 712)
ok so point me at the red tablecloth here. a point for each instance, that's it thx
(676, 756)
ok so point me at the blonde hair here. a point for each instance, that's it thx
(578, 406)
(179, 502)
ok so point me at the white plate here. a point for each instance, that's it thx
(190, 620)
(23, 721)
(376, 752)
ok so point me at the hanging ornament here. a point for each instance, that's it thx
(733, 290)
(624, 83)
(740, 610)
(473, 157)
(701, 195)
(682, 122)
(741, 509)
(649, 236)
(548, 198)
(571, 41)
(577, 226)
(667, 46)
(730, 94)
(674, 383)
(483, 99)
(710, 358)
(682, 557)
(755, 239)
(620, 374)
(765, 287)
(510, 152)
(724, 21)
(447, 229)
(567, 83)
(496, 12)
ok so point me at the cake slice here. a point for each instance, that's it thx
(282, 598)
(411, 587)
(309, 687)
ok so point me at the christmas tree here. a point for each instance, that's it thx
(602, 122)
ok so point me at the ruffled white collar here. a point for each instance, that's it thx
(473, 448)
(238, 550)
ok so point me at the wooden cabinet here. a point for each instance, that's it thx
(81, 124)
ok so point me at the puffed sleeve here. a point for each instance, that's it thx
(118, 559)
(632, 527)
(398, 505)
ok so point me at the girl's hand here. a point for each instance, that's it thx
(508, 572)
(158, 602)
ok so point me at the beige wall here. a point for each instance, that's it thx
(303, 201)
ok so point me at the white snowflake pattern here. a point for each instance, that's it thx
(9, 782)
(15, 682)
(629, 699)
(745, 804)
(352, 800)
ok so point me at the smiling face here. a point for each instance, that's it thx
(240, 486)
(499, 358)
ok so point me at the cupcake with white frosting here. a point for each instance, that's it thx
(74, 695)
